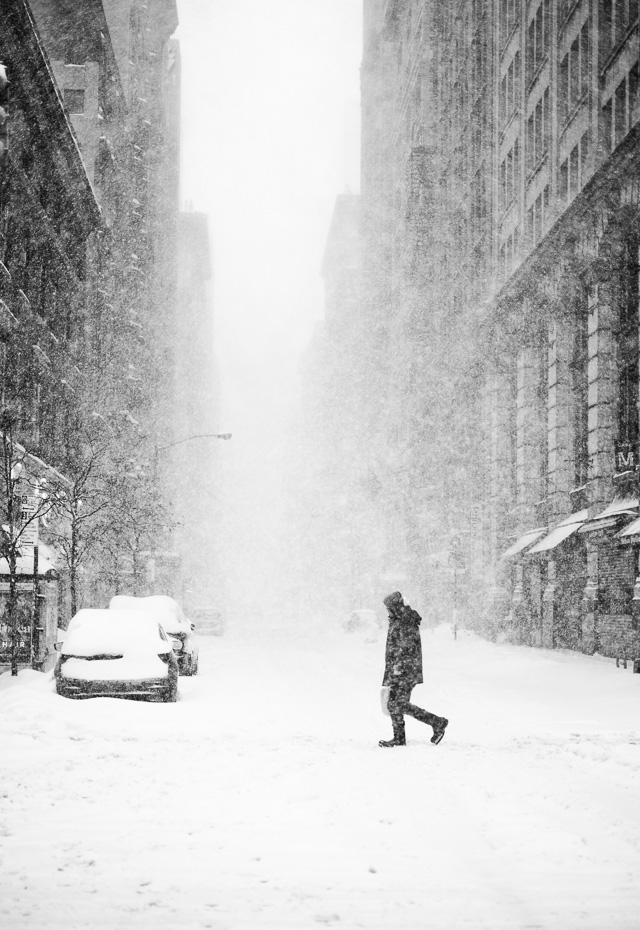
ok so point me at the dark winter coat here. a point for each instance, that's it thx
(403, 654)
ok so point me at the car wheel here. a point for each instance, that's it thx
(194, 665)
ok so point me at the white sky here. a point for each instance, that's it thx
(270, 137)
(270, 98)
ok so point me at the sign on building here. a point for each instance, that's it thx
(626, 457)
(28, 522)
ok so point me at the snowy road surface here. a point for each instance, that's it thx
(261, 798)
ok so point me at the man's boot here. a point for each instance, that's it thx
(438, 730)
(398, 736)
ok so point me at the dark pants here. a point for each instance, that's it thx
(399, 704)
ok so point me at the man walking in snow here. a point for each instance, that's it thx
(403, 671)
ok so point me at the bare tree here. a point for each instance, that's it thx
(134, 527)
(80, 506)
(23, 505)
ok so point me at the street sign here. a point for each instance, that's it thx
(28, 530)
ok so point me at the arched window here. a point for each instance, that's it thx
(579, 395)
(627, 346)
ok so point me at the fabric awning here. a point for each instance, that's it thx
(523, 542)
(633, 529)
(563, 530)
(618, 508)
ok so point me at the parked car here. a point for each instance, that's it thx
(123, 654)
(210, 621)
(364, 621)
(179, 629)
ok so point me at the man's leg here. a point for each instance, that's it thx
(398, 696)
(439, 724)
(422, 715)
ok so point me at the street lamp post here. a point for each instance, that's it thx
(197, 436)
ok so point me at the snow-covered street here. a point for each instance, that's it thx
(261, 799)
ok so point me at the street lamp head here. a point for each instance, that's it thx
(197, 436)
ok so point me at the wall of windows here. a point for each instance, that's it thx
(579, 396)
(628, 346)
(616, 18)
(539, 131)
(510, 90)
(619, 113)
(510, 176)
(574, 75)
(538, 39)
(538, 217)
(572, 174)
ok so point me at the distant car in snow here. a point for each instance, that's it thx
(169, 614)
(123, 654)
(210, 621)
(364, 621)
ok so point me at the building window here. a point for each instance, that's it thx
(572, 174)
(3, 373)
(620, 112)
(538, 217)
(616, 18)
(565, 9)
(538, 39)
(574, 74)
(509, 253)
(510, 90)
(579, 396)
(538, 132)
(628, 348)
(542, 408)
(508, 18)
(74, 101)
(479, 58)
(510, 176)
(512, 430)
(479, 204)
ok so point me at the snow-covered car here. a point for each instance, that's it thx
(169, 614)
(123, 654)
(363, 621)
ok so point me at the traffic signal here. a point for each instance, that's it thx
(4, 112)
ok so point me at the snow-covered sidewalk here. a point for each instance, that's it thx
(261, 799)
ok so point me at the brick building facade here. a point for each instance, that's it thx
(522, 120)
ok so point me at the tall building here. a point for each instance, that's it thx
(336, 524)
(88, 251)
(500, 162)
(118, 74)
(50, 227)
(193, 462)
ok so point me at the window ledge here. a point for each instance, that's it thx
(511, 119)
(615, 51)
(537, 73)
(569, 15)
(577, 108)
(537, 168)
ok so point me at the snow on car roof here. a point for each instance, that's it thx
(107, 632)
(167, 611)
